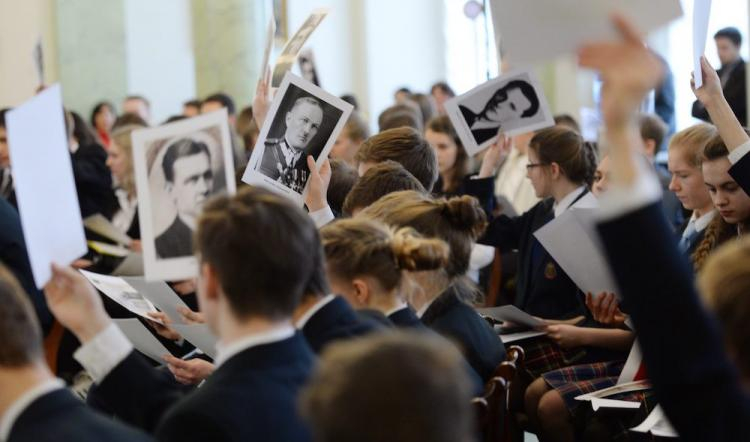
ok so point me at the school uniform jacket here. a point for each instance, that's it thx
(740, 171)
(459, 322)
(406, 318)
(251, 396)
(60, 416)
(542, 287)
(696, 384)
(483, 189)
(334, 321)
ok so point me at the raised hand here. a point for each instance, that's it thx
(495, 155)
(318, 182)
(75, 303)
(262, 99)
(711, 91)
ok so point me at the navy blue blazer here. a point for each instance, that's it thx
(406, 318)
(695, 382)
(542, 287)
(336, 320)
(740, 171)
(13, 255)
(483, 189)
(252, 396)
(60, 416)
(460, 323)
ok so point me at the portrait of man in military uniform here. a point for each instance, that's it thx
(285, 158)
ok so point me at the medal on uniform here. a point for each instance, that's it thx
(550, 271)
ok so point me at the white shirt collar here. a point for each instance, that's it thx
(401, 305)
(22, 403)
(275, 334)
(314, 309)
(424, 308)
(585, 202)
(701, 223)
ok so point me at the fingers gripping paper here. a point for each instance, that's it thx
(45, 189)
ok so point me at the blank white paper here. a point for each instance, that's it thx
(142, 339)
(45, 189)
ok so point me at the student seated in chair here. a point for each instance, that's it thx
(248, 287)
(34, 405)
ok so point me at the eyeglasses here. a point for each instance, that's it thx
(533, 165)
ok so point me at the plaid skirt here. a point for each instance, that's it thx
(543, 355)
(571, 382)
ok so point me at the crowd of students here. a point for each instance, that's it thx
(355, 319)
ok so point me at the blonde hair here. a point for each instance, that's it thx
(458, 221)
(122, 138)
(725, 284)
(691, 142)
(358, 247)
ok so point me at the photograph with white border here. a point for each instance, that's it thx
(303, 120)
(178, 167)
(513, 102)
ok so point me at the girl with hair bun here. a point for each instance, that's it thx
(366, 261)
(441, 295)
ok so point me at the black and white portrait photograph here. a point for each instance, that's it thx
(303, 120)
(178, 167)
(513, 103)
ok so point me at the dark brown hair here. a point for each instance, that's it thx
(717, 232)
(380, 180)
(458, 221)
(20, 333)
(381, 383)
(565, 147)
(343, 178)
(406, 146)
(401, 115)
(363, 247)
(356, 127)
(262, 248)
(442, 125)
(653, 128)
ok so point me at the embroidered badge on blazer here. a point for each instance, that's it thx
(550, 271)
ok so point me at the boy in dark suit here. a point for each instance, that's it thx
(34, 405)
(247, 289)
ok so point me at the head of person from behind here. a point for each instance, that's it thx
(514, 101)
(303, 122)
(728, 197)
(559, 162)
(188, 175)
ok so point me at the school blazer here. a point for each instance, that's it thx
(336, 320)
(60, 416)
(542, 287)
(252, 396)
(740, 171)
(483, 189)
(696, 384)
(406, 318)
(459, 322)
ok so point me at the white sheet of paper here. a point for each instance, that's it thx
(132, 265)
(632, 365)
(161, 295)
(514, 337)
(200, 336)
(597, 403)
(108, 249)
(617, 389)
(102, 226)
(657, 424)
(571, 240)
(45, 189)
(270, 36)
(511, 313)
(701, 14)
(292, 47)
(542, 30)
(142, 339)
(122, 293)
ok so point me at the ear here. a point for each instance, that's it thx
(288, 118)
(555, 170)
(361, 292)
(649, 148)
(168, 187)
(210, 283)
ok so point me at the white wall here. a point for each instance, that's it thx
(20, 29)
(373, 47)
(160, 61)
